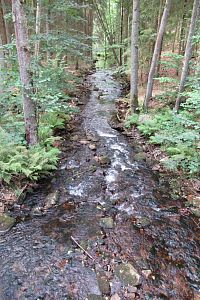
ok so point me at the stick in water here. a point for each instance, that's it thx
(73, 239)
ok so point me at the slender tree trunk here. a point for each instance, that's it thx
(134, 55)
(1, 66)
(6, 7)
(23, 52)
(125, 32)
(2, 27)
(181, 47)
(121, 33)
(37, 28)
(175, 38)
(188, 52)
(47, 30)
(157, 51)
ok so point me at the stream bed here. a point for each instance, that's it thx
(102, 227)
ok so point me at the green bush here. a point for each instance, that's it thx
(178, 135)
(18, 162)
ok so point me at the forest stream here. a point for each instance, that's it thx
(103, 227)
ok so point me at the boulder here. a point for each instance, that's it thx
(127, 274)
(6, 222)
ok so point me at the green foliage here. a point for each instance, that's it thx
(132, 120)
(18, 162)
(178, 135)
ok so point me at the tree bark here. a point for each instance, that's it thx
(1, 66)
(6, 7)
(134, 55)
(181, 47)
(121, 33)
(23, 52)
(37, 28)
(2, 27)
(157, 51)
(188, 52)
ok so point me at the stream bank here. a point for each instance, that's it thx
(140, 243)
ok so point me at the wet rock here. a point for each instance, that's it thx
(127, 274)
(95, 297)
(115, 297)
(103, 282)
(104, 160)
(92, 147)
(95, 88)
(51, 199)
(84, 142)
(74, 138)
(195, 211)
(37, 210)
(142, 222)
(132, 289)
(92, 137)
(6, 222)
(2, 207)
(194, 202)
(107, 222)
(93, 168)
(197, 296)
(146, 273)
(130, 296)
(115, 286)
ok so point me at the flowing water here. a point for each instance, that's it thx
(114, 208)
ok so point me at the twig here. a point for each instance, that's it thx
(73, 239)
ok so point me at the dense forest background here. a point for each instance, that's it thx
(45, 48)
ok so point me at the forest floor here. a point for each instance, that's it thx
(105, 226)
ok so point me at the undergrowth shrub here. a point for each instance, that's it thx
(178, 135)
(17, 162)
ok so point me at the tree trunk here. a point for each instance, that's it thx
(23, 52)
(2, 27)
(181, 47)
(1, 66)
(134, 55)
(157, 51)
(37, 28)
(121, 33)
(188, 52)
(125, 32)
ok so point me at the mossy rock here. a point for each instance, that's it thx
(140, 156)
(95, 297)
(127, 274)
(103, 282)
(107, 222)
(6, 222)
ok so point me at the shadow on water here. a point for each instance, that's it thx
(113, 207)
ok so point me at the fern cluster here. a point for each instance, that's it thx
(178, 135)
(19, 162)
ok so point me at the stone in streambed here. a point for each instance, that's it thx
(74, 138)
(103, 282)
(127, 274)
(51, 199)
(6, 222)
(92, 147)
(92, 138)
(95, 297)
(104, 160)
(142, 222)
(115, 297)
(107, 223)
(140, 156)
